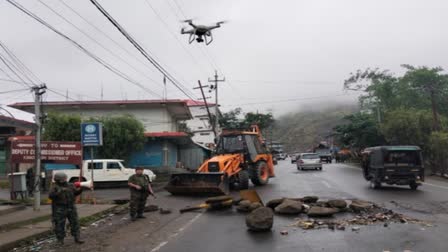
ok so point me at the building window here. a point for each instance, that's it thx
(200, 127)
(203, 119)
(205, 134)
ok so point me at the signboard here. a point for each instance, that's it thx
(51, 152)
(91, 134)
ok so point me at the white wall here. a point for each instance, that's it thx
(200, 125)
(154, 119)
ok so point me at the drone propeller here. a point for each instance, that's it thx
(222, 22)
(186, 21)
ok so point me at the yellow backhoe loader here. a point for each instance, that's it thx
(240, 155)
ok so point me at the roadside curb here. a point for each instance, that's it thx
(30, 239)
(12, 209)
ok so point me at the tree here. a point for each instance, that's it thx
(230, 120)
(359, 132)
(122, 135)
(407, 126)
(263, 121)
(62, 127)
(234, 120)
(438, 142)
(430, 82)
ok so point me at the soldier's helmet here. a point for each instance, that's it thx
(60, 177)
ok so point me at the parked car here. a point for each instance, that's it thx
(308, 161)
(105, 171)
(393, 165)
(280, 156)
(294, 157)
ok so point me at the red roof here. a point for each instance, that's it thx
(191, 103)
(109, 102)
(166, 134)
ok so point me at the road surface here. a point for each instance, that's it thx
(226, 231)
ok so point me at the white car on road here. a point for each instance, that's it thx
(308, 161)
(105, 171)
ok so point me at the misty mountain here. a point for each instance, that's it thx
(299, 131)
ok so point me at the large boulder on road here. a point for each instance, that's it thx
(360, 205)
(337, 203)
(244, 206)
(310, 199)
(289, 207)
(274, 203)
(261, 219)
(254, 205)
(316, 211)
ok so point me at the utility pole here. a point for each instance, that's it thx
(206, 106)
(38, 92)
(216, 80)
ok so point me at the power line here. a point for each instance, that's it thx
(12, 91)
(142, 51)
(24, 69)
(96, 42)
(105, 34)
(5, 61)
(175, 37)
(84, 50)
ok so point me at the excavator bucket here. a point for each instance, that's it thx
(201, 184)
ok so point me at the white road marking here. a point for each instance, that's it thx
(326, 184)
(439, 186)
(175, 234)
(159, 246)
(190, 222)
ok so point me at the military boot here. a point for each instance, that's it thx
(78, 240)
(60, 242)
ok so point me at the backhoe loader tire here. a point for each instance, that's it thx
(243, 180)
(259, 173)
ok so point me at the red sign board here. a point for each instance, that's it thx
(51, 152)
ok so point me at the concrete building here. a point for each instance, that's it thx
(199, 125)
(10, 127)
(168, 143)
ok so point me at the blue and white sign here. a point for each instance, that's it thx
(92, 134)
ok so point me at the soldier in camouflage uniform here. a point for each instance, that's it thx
(140, 187)
(63, 196)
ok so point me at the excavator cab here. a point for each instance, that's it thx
(240, 156)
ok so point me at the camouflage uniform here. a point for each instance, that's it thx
(138, 197)
(63, 206)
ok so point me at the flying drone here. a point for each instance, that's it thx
(201, 33)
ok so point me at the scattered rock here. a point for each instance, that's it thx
(360, 205)
(386, 224)
(340, 227)
(254, 205)
(164, 211)
(289, 207)
(306, 224)
(244, 206)
(322, 211)
(261, 219)
(356, 229)
(310, 199)
(151, 208)
(321, 204)
(337, 203)
(274, 203)
(218, 199)
(284, 232)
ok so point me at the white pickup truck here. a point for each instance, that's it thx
(110, 171)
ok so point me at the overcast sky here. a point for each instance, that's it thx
(275, 55)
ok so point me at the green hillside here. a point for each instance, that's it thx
(301, 130)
